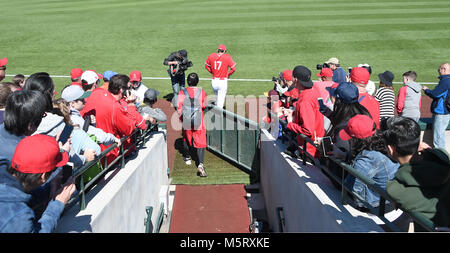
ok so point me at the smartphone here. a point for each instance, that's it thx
(66, 173)
(67, 131)
(327, 145)
(321, 105)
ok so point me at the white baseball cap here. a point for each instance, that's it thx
(332, 60)
(74, 92)
(89, 76)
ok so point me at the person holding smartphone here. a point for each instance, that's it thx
(29, 169)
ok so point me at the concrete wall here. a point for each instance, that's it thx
(309, 200)
(117, 205)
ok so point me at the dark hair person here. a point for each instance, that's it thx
(42, 82)
(23, 114)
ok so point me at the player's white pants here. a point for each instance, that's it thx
(220, 90)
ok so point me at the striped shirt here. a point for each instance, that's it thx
(386, 98)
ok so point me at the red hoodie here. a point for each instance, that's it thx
(308, 120)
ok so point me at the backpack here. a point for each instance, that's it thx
(447, 102)
(191, 110)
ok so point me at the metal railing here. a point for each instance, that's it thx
(235, 139)
(419, 218)
(83, 187)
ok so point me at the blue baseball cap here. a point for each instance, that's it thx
(347, 92)
(108, 74)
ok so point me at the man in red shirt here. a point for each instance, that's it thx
(326, 76)
(292, 93)
(360, 77)
(218, 64)
(307, 119)
(75, 76)
(196, 138)
(112, 116)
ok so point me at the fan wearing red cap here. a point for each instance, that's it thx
(30, 168)
(3, 63)
(368, 157)
(325, 83)
(360, 77)
(292, 93)
(75, 76)
(137, 86)
(359, 127)
(221, 66)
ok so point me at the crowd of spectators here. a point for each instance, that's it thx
(363, 130)
(33, 123)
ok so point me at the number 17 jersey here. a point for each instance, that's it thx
(219, 64)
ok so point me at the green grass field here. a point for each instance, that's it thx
(264, 37)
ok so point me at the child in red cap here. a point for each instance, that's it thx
(30, 168)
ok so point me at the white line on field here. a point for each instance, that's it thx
(209, 79)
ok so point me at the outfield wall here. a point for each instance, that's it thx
(118, 204)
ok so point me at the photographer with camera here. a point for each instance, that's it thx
(285, 86)
(178, 63)
(339, 74)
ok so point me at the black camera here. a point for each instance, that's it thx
(278, 79)
(321, 66)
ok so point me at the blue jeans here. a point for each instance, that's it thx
(177, 82)
(440, 124)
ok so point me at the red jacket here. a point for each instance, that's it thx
(111, 116)
(372, 105)
(308, 120)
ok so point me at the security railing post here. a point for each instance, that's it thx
(343, 193)
(122, 159)
(304, 151)
(382, 206)
(83, 194)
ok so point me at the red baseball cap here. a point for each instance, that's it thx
(76, 73)
(3, 62)
(135, 76)
(29, 159)
(359, 127)
(287, 75)
(360, 75)
(222, 47)
(325, 72)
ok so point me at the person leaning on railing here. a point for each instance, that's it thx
(111, 116)
(306, 119)
(422, 185)
(371, 159)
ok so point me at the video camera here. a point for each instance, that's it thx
(278, 80)
(321, 66)
(182, 63)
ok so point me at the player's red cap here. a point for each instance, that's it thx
(325, 72)
(28, 159)
(3, 62)
(360, 75)
(135, 76)
(76, 73)
(222, 47)
(287, 75)
(360, 127)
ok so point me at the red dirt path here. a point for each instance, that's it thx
(210, 209)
